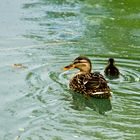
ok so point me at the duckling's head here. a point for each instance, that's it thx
(111, 61)
(82, 63)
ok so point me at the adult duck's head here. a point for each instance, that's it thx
(82, 63)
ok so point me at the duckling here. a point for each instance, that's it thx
(89, 83)
(111, 70)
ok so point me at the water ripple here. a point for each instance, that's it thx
(38, 100)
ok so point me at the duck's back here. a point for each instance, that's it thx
(91, 84)
(111, 71)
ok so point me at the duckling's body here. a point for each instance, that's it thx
(86, 82)
(111, 70)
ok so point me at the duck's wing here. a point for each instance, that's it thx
(96, 83)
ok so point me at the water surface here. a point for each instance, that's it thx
(46, 35)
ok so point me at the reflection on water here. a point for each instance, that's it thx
(101, 106)
(45, 35)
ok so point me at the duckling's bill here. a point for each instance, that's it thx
(69, 67)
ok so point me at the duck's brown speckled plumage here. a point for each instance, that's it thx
(87, 83)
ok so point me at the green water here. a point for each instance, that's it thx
(46, 35)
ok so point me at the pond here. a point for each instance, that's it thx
(37, 39)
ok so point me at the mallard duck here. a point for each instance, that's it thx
(111, 70)
(86, 82)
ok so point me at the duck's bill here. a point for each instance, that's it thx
(71, 66)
